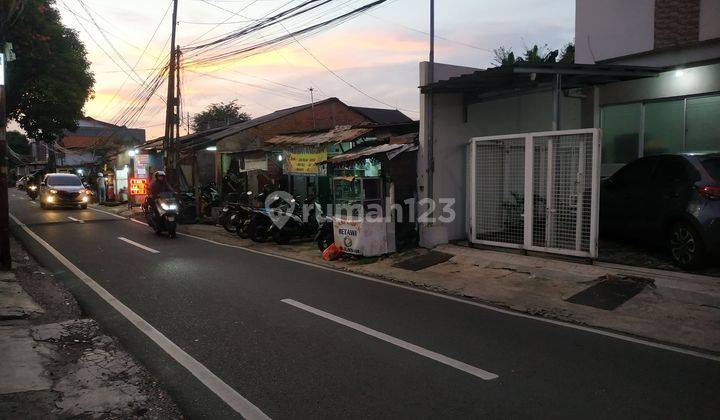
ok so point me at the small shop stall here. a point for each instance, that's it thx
(301, 155)
(371, 182)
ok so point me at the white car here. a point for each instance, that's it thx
(21, 183)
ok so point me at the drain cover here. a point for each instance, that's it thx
(609, 294)
(419, 262)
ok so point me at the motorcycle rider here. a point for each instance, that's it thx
(158, 186)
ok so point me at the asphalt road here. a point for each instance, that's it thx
(299, 341)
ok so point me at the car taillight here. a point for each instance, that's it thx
(709, 192)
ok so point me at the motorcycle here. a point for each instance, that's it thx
(32, 191)
(209, 198)
(296, 222)
(161, 213)
(257, 226)
(235, 211)
(325, 235)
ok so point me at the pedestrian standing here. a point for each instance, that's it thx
(101, 188)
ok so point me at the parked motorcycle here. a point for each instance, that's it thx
(161, 214)
(325, 235)
(209, 198)
(296, 221)
(258, 225)
(235, 211)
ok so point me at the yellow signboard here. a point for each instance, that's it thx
(304, 163)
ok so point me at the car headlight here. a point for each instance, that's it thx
(53, 191)
(166, 206)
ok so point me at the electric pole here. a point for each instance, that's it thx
(176, 115)
(170, 104)
(5, 258)
(429, 108)
(312, 106)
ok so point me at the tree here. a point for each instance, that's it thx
(219, 115)
(567, 56)
(505, 56)
(18, 142)
(50, 81)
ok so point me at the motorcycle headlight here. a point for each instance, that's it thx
(168, 206)
(33, 187)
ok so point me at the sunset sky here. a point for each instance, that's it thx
(378, 51)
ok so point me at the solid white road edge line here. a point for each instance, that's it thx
(231, 397)
(141, 246)
(107, 212)
(472, 370)
(617, 336)
(76, 220)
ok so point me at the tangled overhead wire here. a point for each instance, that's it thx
(230, 47)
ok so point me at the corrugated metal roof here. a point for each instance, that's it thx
(392, 150)
(236, 128)
(509, 78)
(382, 115)
(336, 135)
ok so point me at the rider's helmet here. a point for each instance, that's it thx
(159, 174)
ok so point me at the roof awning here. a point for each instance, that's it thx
(523, 77)
(336, 135)
(391, 151)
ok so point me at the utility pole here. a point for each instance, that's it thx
(5, 258)
(170, 103)
(429, 110)
(176, 115)
(188, 122)
(312, 106)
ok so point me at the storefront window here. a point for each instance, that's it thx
(664, 127)
(621, 133)
(703, 124)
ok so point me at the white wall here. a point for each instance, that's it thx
(519, 114)
(613, 28)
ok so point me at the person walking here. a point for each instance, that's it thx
(101, 188)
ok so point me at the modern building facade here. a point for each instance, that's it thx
(647, 73)
(678, 111)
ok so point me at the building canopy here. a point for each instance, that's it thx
(524, 77)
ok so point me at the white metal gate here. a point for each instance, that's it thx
(536, 191)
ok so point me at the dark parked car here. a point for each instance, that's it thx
(60, 189)
(672, 198)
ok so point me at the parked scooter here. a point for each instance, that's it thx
(235, 211)
(296, 221)
(258, 225)
(325, 235)
(161, 214)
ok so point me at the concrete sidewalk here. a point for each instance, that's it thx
(676, 308)
(57, 364)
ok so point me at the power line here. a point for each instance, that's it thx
(331, 71)
(137, 62)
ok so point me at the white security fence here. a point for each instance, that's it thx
(536, 191)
